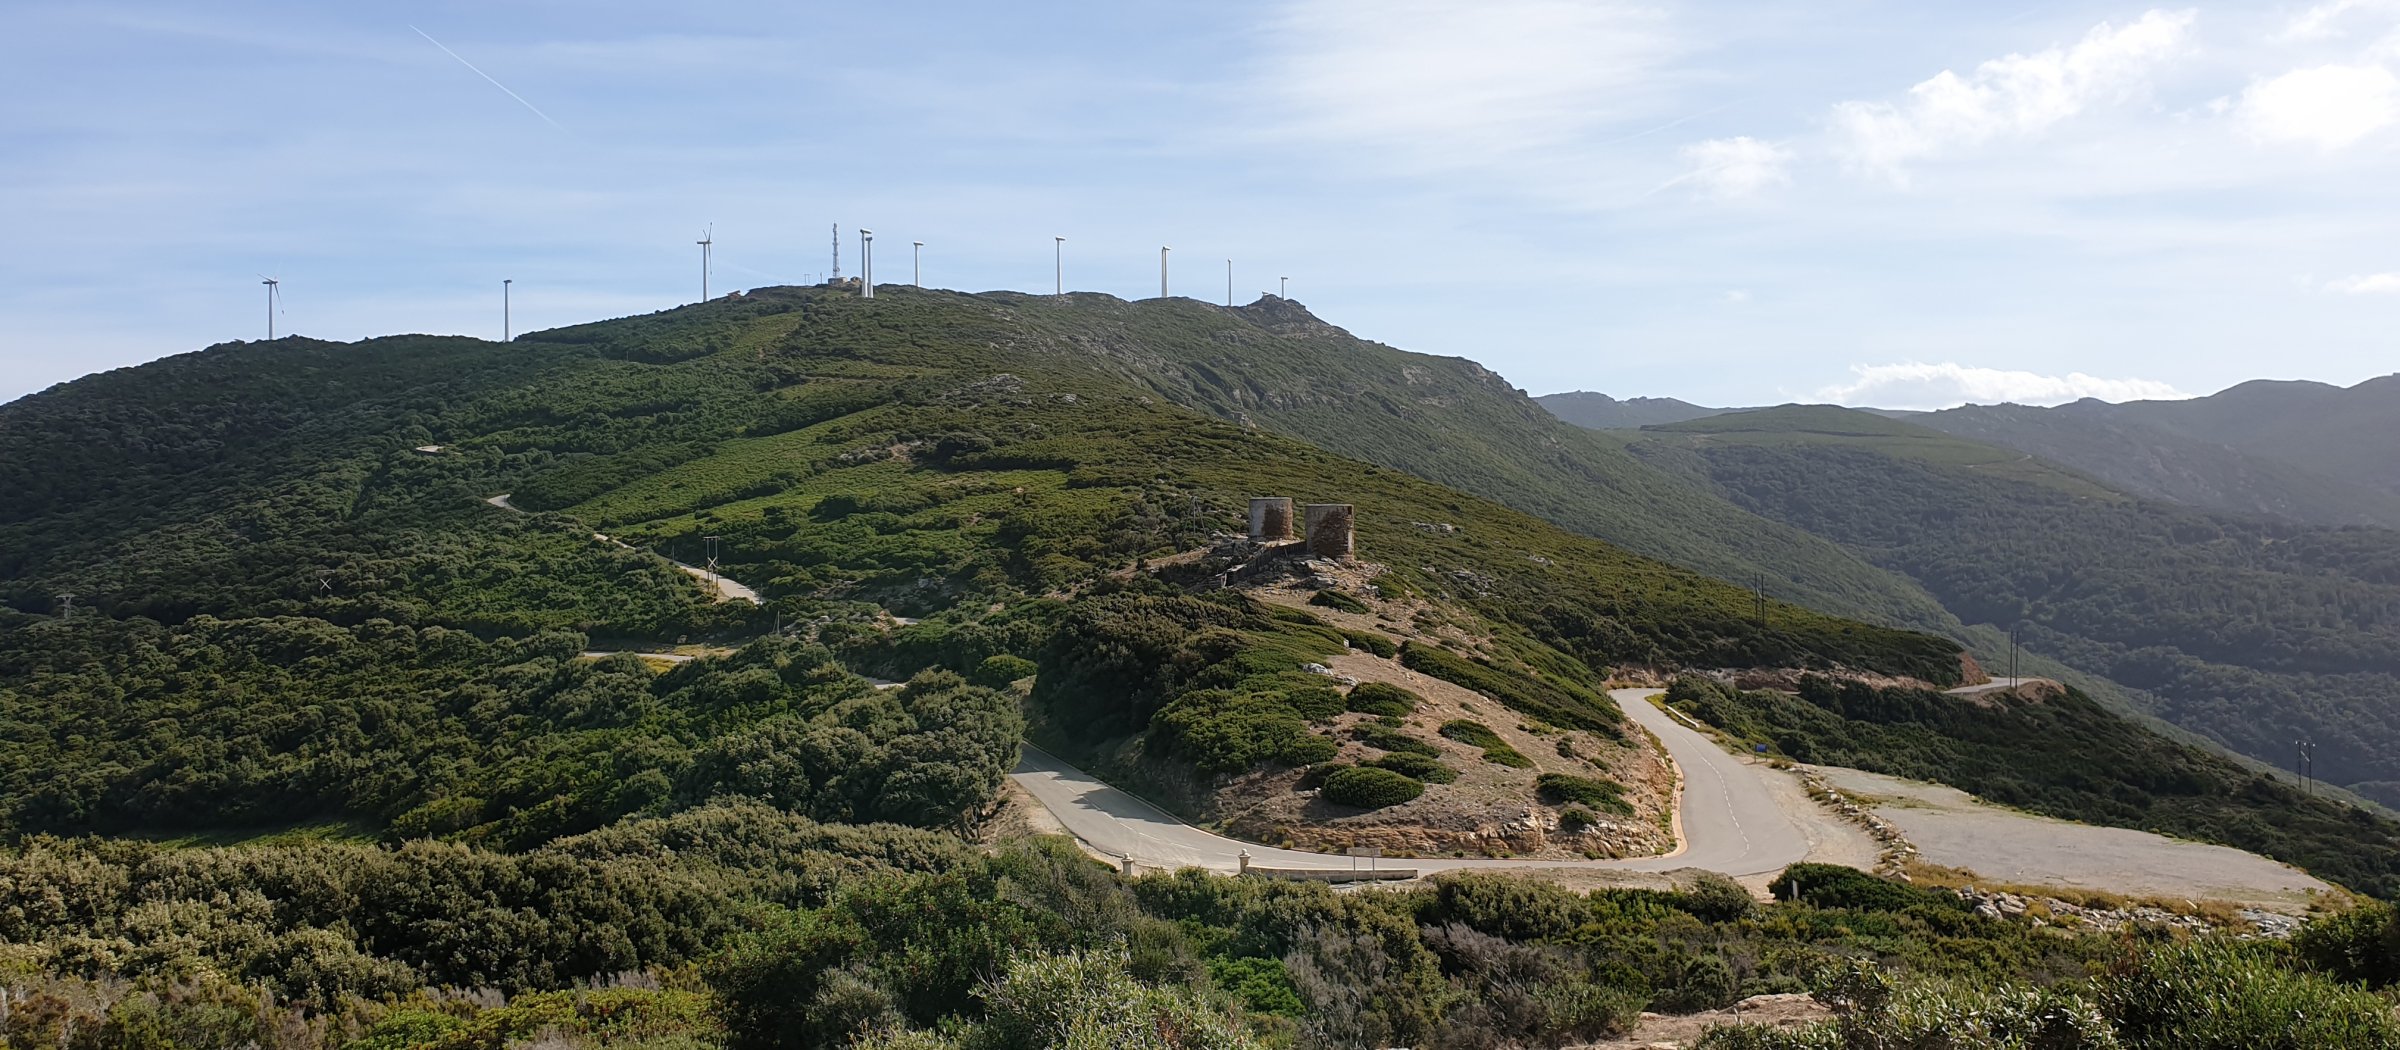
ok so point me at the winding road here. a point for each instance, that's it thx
(1730, 819)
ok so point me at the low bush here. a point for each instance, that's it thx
(1385, 738)
(1365, 787)
(1834, 886)
(1382, 698)
(1556, 702)
(1365, 641)
(1495, 750)
(1338, 601)
(1608, 795)
(1418, 766)
(1006, 668)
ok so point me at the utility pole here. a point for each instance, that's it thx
(707, 238)
(1058, 263)
(2304, 763)
(504, 329)
(1758, 598)
(1162, 271)
(66, 601)
(712, 557)
(916, 263)
(2014, 634)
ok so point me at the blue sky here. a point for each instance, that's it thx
(1907, 204)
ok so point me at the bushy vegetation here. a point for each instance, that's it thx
(1565, 704)
(1385, 738)
(1415, 765)
(2062, 755)
(1495, 750)
(1370, 787)
(1605, 795)
(215, 726)
(1383, 698)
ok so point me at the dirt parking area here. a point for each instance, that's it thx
(1954, 829)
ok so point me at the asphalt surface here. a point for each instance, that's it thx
(1731, 821)
(727, 589)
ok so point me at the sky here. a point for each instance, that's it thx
(1907, 205)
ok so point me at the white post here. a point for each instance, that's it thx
(1162, 272)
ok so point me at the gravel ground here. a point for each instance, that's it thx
(1953, 829)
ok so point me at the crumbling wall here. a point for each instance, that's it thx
(1270, 519)
(1330, 533)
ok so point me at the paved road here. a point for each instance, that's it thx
(1996, 683)
(1731, 821)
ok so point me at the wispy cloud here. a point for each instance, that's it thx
(1734, 168)
(2328, 106)
(1919, 385)
(2367, 284)
(2010, 97)
(1448, 85)
(537, 110)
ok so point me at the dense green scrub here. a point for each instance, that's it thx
(218, 725)
(2061, 755)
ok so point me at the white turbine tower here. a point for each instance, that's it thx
(504, 329)
(916, 263)
(708, 239)
(274, 300)
(866, 263)
(1058, 263)
(1162, 270)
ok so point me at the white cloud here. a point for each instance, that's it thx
(2015, 96)
(1736, 167)
(2328, 106)
(1918, 385)
(2322, 20)
(2367, 284)
(1737, 296)
(1453, 84)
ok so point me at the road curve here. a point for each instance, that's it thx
(1731, 821)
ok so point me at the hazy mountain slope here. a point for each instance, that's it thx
(2253, 633)
(2165, 464)
(2350, 434)
(1586, 408)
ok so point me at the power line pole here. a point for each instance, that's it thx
(2015, 633)
(66, 600)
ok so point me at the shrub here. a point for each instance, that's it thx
(1556, 788)
(1495, 750)
(1365, 787)
(2217, 996)
(2362, 944)
(1001, 670)
(1834, 886)
(1558, 703)
(1382, 698)
(1336, 600)
(1576, 818)
(1373, 643)
(1383, 738)
(1418, 766)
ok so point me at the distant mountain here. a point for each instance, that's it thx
(1586, 408)
(2348, 433)
(2113, 444)
(2251, 631)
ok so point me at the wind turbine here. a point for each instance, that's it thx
(866, 264)
(708, 237)
(1059, 263)
(1229, 282)
(504, 329)
(916, 264)
(272, 302)
(1283, 288)
(1162, 270)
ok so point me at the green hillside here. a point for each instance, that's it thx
(321, 746)
(2250, 632)
(274, 507)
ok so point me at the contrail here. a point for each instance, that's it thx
(537, 110)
